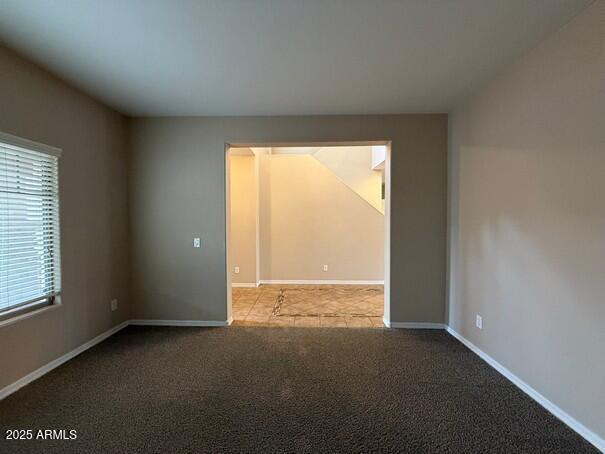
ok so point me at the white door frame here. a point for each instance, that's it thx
(387, 212)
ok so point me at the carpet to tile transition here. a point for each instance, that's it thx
(170, 390)
(330, 301)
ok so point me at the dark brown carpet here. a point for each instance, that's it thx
(167, 390)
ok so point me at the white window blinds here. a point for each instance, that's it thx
(29, 224)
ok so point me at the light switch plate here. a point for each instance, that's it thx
(197, 242)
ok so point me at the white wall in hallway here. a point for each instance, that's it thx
(243, 193)
(312, 225)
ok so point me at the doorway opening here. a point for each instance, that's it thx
(308, 240)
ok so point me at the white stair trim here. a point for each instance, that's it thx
(347, 185)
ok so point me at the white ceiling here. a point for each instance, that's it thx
(241, 151)
(278, 57)
(244, 151)
(294, 150)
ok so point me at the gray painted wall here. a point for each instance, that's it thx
(94, 213)
(178, 189)
(527, 218)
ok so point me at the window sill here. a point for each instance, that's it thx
(32, 313)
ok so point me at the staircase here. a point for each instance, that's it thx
(358, 168)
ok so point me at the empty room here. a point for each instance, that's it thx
(302, 226)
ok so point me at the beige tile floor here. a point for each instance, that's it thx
(336, 306)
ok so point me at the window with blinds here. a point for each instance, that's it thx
(30, 265)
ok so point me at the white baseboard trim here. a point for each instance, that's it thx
(207, 323)
(245, 284)
(573, 423)
(20, 383)
(570, 421)
(417, 325)
(10, 389)
(320, 282)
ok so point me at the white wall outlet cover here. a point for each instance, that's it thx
(236, 269)
(114, 305)
(479, 322)
(197, 242)
(325, 267)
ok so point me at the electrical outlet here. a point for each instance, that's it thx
(236, 270)
(197, 242)
(325, 267)
(114, 305)
(479, 322)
